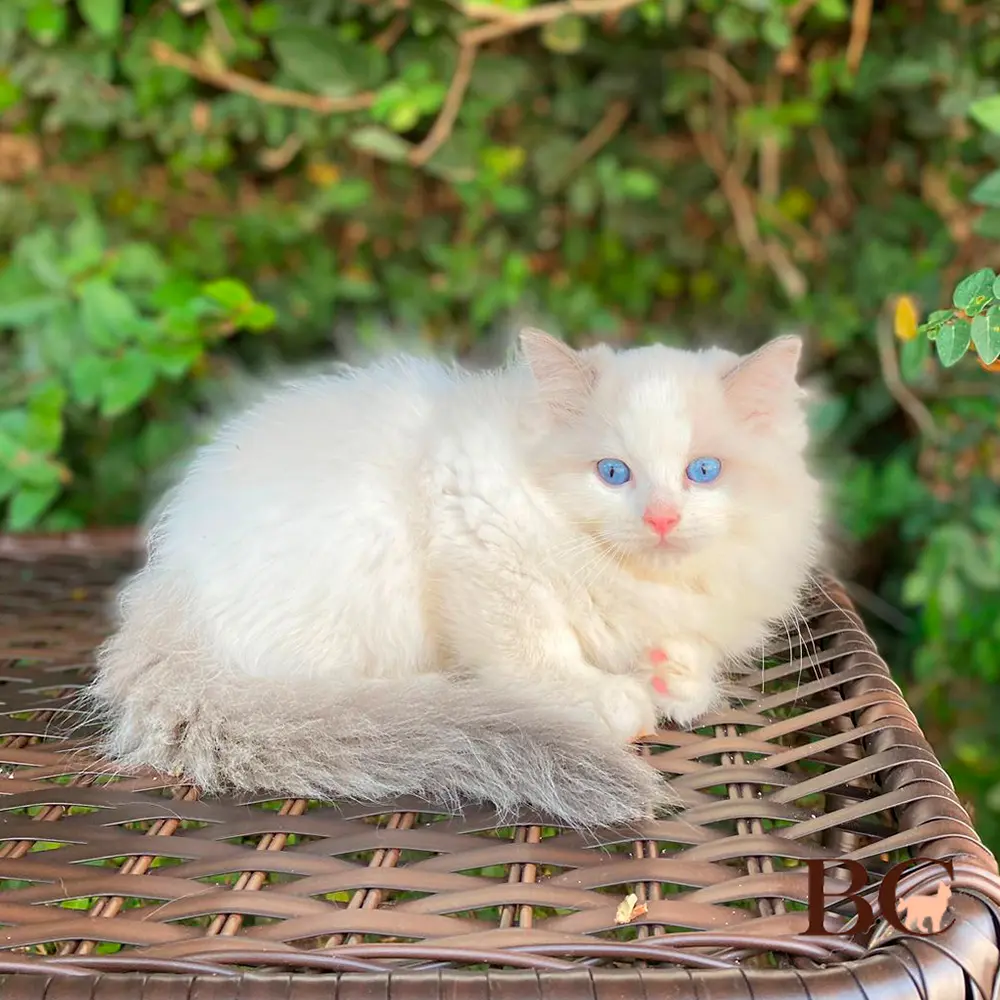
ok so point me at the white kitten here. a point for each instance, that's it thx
(411, 579)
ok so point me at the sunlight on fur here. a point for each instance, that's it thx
(407, 578)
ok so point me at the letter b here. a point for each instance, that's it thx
(817, 897)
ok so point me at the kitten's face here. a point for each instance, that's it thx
(660, 453)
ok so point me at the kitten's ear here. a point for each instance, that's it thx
(764, 385)
(565, 377)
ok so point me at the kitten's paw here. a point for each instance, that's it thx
(626, 708)
(685, 681)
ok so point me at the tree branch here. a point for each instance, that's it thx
(263, 92)
(509, 22)
(594, 141)
(743, 208)
(501, 24)
(448, 114)
(861, 20)
(898, 389)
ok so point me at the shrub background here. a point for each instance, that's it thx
(196, 189)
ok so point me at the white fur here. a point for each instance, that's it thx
(351, 534)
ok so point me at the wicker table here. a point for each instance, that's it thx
(129, 886)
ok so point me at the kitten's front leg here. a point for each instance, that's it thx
(621, 704)
(685, 680)
(499, 616)
(542, 656)
(624, 705)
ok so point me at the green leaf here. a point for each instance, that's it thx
(987, 342)
(107, 313)
(972, 291)
(776, 30)
(178, 292)
(139, 263)
(913, 357)
(231, 294)
(46, 21)
(41, 252)
(987, 191)
(953, 341)
(318, 58)
(128, 380)
(640, 185)
(29, 466)
(916, 589)
(986, 334)
(950, 594)
(175, 360)
(104, 16)
(28, 505)
(86, 377)
(380, 142)
(258, 317)
(565, 35)
(8, 483)
(986, 111)
(28, 312)
(85, 240)
(265, 17)
(44, 428)
(10, 93)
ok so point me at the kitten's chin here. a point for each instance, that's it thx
(659, 561)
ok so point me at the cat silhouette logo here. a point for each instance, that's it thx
(919, 912)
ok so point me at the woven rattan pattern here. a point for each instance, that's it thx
(819, 757)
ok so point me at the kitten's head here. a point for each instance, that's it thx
(661, 452)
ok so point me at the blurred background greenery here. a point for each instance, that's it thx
(198, 189)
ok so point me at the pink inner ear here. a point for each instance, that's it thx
(764, 383)
(565, 377)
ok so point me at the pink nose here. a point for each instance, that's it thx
(661, 521)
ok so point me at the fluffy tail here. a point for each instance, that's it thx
(441, 740)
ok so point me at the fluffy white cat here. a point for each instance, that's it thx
(412, 579)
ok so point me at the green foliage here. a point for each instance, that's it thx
(974, 321)
(193, 188)
(95, 327)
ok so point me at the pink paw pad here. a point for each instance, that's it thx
(657, 656)
(659, 685)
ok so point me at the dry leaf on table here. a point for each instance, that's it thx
(629, 908)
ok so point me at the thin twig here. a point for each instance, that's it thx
(769, 163)
(509, 22)
(807, 245)
(832, 170)
(725, 73)
(501, 24)
(263, 92)
(448, 115)
(719, 66)
(594, 141)
(278, 157)
(741, 204)
(219, 29)
(789, 59)
(889, 363)
(791, 279)
(861, 21)
(395, 30)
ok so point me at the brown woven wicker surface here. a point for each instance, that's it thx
(115, 885)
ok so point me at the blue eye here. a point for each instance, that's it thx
(704, 470)
(614, 471)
